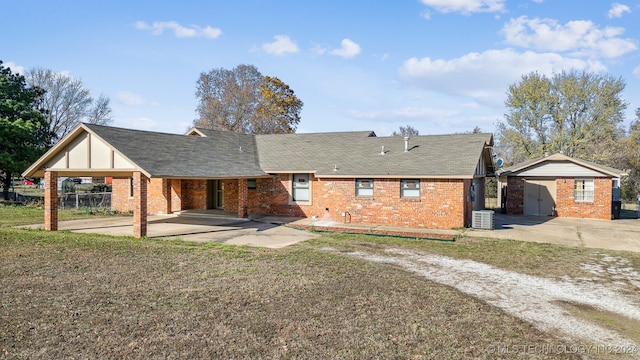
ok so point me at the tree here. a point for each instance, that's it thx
(244, 101)
(632, 160)
(23, 130)
(67, 102)
(578, 114)
(406, 131)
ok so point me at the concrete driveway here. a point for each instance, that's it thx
(267, 232)
(622, 234)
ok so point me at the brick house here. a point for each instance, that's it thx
(432, 181)
(559, 185)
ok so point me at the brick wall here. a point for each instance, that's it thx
(194, 194)
(515, 195)
(120, 194)
(441, 204)
(159, 191)
(600, 208)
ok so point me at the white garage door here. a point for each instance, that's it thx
(539, 197)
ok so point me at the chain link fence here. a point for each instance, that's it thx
(69, 200)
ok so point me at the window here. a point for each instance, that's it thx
(251, 184)
(364, 187)
(301, 187)
(583, 190)
(410, 188)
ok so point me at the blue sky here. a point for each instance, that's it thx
(441, 66)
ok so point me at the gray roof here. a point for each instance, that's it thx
(359, 154)
(172, 155)
(517, 168)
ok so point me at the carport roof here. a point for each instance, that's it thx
(171, 155)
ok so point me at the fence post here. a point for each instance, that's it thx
(77, 202)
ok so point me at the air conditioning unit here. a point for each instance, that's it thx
(482, 219)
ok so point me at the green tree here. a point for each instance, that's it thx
(244, 101)
(578, 114)
(67, 102)
(406, 131)
(23, 130)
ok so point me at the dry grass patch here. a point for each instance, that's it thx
(90, 296)
(628, 327)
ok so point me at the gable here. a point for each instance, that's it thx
(82, 153)
(560, 168)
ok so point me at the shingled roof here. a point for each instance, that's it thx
(171, 155)
(204, 153)
(359, 154)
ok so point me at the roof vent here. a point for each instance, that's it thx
(382, 151)
(335, 167)
(406, 144)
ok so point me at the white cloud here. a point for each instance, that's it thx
(636, 72)
(348, 50)
(129, 98)
(486, 76)
(617, 10)
(193, 31)
(282, 45)
(581, 37)
(464, 6)
(16, 69)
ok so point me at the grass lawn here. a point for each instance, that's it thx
(92, 296)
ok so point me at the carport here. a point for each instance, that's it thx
(150, 162)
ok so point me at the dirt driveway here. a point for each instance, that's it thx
(534, 299)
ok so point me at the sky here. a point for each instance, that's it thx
(440, 66)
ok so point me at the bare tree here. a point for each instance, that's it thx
(244, 101)
(67, 102)
(406, 131)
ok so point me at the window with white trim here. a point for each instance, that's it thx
(301, 187)
(409, 188)
(583, 190)
(364, 187)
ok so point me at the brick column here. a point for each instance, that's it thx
(166, 192)
(51, 200)
(140, 205)
(175, 192)
(243, 198)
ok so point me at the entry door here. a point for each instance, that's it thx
(215, 194)
(539, 197)
(219, 194)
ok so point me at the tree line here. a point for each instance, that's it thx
(580, 114)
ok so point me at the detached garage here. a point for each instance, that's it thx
(559, 185)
